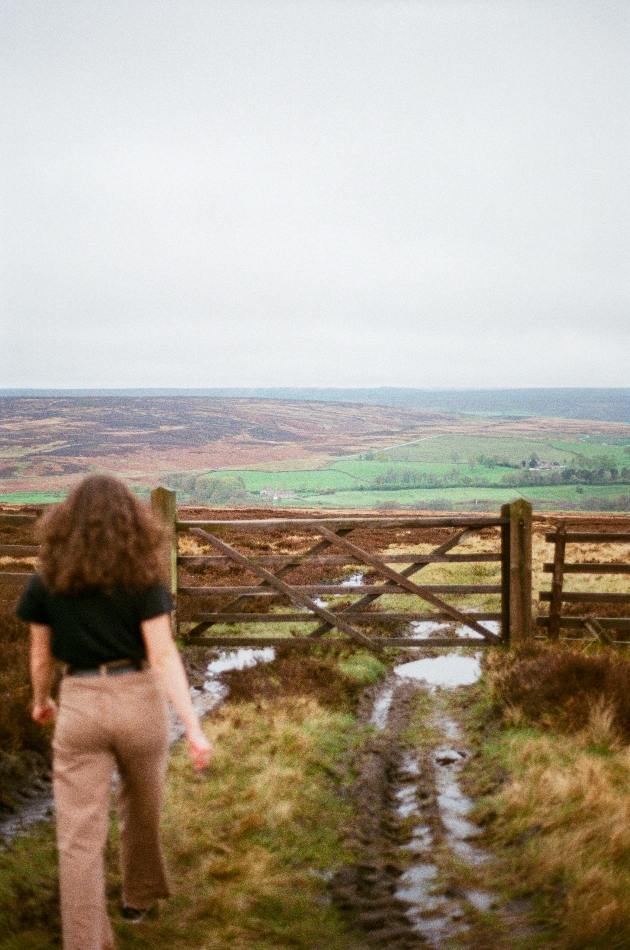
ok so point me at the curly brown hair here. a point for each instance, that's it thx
(101, 537)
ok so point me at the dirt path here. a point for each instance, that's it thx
(420, 875)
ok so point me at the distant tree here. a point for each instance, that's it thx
(219, 490)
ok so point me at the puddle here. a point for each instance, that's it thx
(423, 629)
(454, 806)
(448, 727)
(378, 719)
(240, 659)
(409, 766)
(466, 633)
(36, 807)
(481, 900)
(421, 840)
(414, 885)
(447, 671)
(427, 629)
(355, 580)
(214, 691)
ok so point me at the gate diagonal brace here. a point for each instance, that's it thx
(296, 597)
(408, 571)
(397, 578)
(235, 604)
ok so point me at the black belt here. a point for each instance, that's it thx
(113, 668)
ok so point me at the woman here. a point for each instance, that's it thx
(97, 604)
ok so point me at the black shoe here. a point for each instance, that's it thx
(132, 915)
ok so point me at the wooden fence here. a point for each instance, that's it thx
(581, 620)
(279, 570)
(17, 551)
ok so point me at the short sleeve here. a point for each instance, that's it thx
(33, 604)
(154, 602)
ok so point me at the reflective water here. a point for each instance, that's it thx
(423, 629)
(428, 629)
(355, 580)
(240, 659)
(380, 711)
(447, 671)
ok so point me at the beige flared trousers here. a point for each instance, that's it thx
(108, 722)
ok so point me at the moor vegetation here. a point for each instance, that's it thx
(553, 781)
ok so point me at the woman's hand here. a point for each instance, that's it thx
(45, 711)
(166, 663)
(199, 747)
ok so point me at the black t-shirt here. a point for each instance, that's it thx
(93, 627)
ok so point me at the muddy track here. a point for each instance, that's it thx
(366, 892)
(418, 876)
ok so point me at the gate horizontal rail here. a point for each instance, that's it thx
(270, 560)
(339, 589)
(350, 524)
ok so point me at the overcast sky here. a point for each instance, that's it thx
(427, 193)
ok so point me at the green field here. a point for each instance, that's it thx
(436, 472)
(463, 449)
(32, 497)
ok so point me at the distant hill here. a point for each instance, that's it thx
(607, 405)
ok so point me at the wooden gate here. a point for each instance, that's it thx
(580, 620)
(351, 575)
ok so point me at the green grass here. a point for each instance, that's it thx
(408, 496)
(298, 480)
(452, 459)
(460, 449)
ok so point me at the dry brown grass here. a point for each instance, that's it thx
(564, 822)
(560, 687)
(562, 818)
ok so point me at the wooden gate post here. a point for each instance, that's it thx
(164, 505)
(555, 607)
(517, 584)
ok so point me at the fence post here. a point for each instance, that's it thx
(519, 587)
(555, 606)
(505, 577)
(164, 505)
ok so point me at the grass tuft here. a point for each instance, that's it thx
(564, 688)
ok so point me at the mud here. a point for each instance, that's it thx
(366, 891)
(419, 873)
